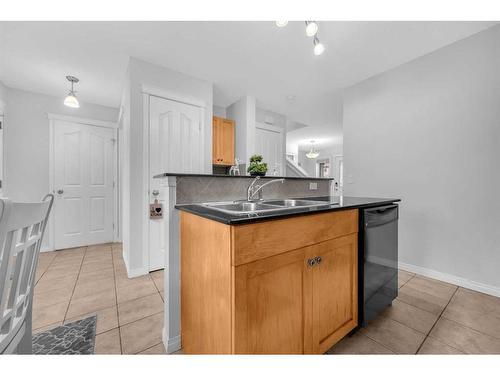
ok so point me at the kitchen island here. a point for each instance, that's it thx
(284, 280)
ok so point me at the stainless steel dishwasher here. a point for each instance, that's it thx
(378, 257)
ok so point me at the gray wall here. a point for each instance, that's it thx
(428, 132)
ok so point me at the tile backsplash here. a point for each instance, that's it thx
(211, 189)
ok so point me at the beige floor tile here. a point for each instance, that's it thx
(46, 328)
(412, 293)
(86, 287)
(129, 289)
(96, 275)
(162, 294)
(475, 310)
(53, 274)
(136, 309)
(50, 314)
(142, 334)
(404, 277)
(394, 335)
(97, 266)
(94, 302)
(411, 316)
(358, 344)
(157, 277)
(107, 319)
(464, 338)
(433, 346)
(108, 342)
(157, 349)
(55, 285)
(99, 248)
(47, 298)
(433, 287)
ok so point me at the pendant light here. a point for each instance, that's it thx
(312, 154)
(71, 100)
(311, 28)
(319, 48)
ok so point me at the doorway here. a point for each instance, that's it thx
(269, 142)
(83, 176)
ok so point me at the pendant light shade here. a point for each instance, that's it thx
(311, 28)
(71, 100)
(312, 154)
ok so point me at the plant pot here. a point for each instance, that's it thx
(261, 174)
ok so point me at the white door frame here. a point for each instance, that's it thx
(89, 122)
(147, 92)
(281, 131)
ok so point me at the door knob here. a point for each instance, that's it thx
(318, 260)
(311, 262)
(60, 191)
(156, 193)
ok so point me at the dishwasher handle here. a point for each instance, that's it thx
(377, 216)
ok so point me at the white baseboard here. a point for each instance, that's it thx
(171, 345)
(452, 279)
(136, 272)
(46, 248)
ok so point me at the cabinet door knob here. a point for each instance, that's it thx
(311, 262)
(318, 260)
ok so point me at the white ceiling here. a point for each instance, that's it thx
(255, 58)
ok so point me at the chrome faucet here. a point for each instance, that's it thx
(254, 188)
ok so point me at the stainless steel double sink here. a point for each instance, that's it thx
(262, 206)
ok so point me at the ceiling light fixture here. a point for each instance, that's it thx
(281, 23)
(311, 28)
(319, 48)
(312, 154)
(71, 100)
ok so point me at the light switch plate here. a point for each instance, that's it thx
(313, 186)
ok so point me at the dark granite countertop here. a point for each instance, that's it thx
(162, 175)
(331, 204)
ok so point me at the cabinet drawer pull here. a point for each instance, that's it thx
(311, 262)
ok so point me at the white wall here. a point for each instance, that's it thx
(3, 94)
(243, 113)
(219, 111)
(134, 189)
(428, 132)
(26, 140)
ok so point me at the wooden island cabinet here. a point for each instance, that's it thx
(282, 286)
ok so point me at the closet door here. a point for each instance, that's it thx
(176, 145)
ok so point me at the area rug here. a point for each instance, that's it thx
(71, 338)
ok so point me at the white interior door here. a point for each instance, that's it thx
(269, 144)
(83, 184)
(175, 145)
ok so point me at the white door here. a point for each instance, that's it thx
(269, 144)
(175, 145)
(83, 184)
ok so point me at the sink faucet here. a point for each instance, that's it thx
(254, 188)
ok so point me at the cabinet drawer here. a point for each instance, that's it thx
(251, 242)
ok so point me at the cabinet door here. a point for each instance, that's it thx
(332, 293)
(227, 141)
(269, 305)
(216, 140)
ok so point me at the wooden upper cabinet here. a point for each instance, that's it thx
(222, 141)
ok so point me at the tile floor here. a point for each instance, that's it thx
(75, 283)
(428, 317)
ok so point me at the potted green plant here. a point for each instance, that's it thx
(257, 167)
